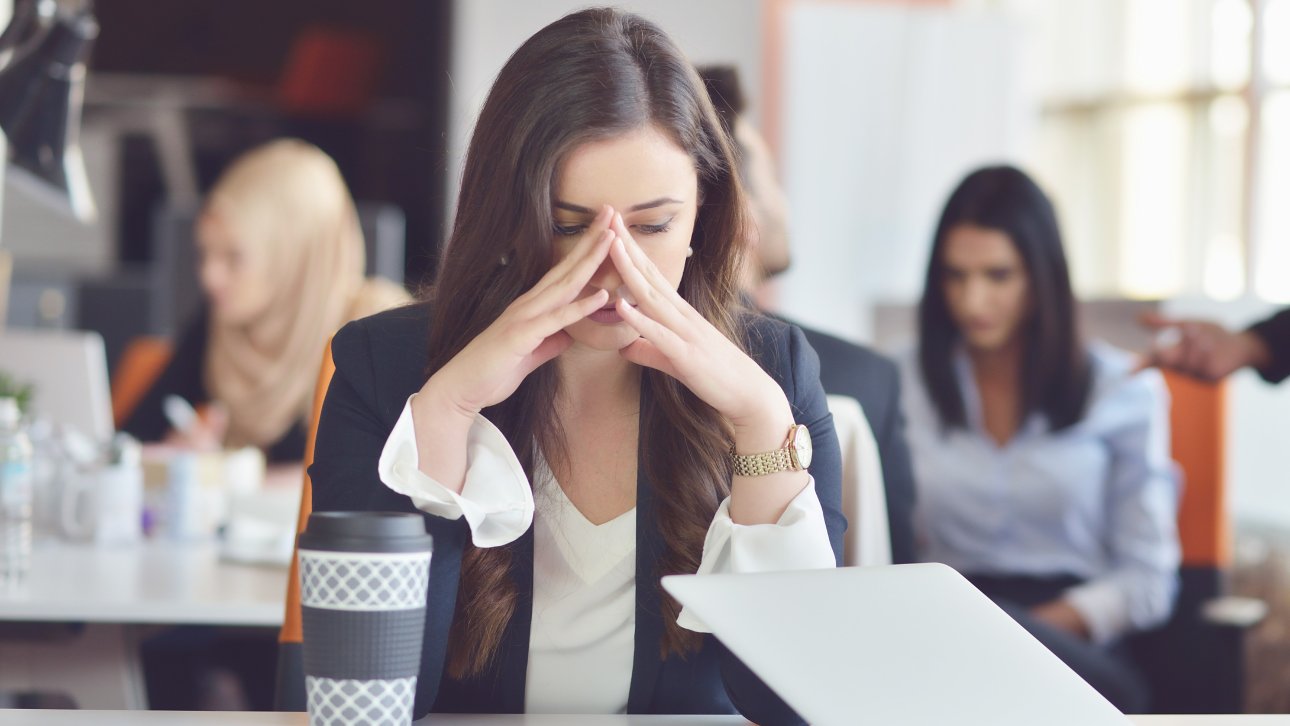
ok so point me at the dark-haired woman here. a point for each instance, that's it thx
(581, 407)
(1042, 463)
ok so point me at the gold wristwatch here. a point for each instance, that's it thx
(794, 455)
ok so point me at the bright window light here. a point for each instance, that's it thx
(1153, 215)
(1276, 49)
(1231, 22)
(1157, 45)
(1272, 232)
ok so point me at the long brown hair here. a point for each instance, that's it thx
(591, 75)
(1057, 377)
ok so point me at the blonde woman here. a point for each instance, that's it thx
(281, 266)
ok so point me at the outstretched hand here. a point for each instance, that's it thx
(1202, 349)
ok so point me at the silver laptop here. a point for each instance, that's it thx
(69, 371)
(906, 644)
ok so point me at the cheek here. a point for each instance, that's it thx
(1015, 299)
(668, 252)
(953, 292)
(561, 246)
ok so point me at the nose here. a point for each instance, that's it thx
(606, 277)
(976, 296)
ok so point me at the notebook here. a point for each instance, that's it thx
(915, 645)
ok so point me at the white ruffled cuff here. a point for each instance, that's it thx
(496, 499)
(1104, 607)
(798, 541)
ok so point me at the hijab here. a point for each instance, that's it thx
(288, 199)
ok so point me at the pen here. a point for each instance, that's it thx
(179, 413)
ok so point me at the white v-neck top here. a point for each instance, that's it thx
(584, 607)
(582, 636)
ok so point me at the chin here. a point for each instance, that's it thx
(989, 342)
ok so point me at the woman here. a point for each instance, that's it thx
(583, 336)
(1042, 464)
(282, 262)
(282, 269)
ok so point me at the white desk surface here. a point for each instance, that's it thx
(129, 718)
(153, 582)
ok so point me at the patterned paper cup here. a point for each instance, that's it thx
(363, 578)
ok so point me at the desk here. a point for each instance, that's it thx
(115, 591)
(117, 718)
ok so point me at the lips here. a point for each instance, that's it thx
(608, 315)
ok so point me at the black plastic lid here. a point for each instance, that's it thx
(366, 532)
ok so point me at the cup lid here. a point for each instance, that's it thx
(366, 532)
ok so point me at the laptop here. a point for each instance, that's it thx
(69, 371)
(915, 645)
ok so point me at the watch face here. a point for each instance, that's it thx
(802, 443)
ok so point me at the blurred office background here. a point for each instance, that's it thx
(1162, 128)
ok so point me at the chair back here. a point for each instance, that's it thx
(290, 692)
(1198, 430)
(864, 497)
(141, 364)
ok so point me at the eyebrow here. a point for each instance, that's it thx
(661, 201)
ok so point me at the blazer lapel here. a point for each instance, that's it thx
(649, 619)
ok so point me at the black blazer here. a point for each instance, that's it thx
(847, 369)
(381, 360)
(1275, 332)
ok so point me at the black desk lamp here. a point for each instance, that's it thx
(41, 88)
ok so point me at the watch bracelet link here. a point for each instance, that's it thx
(771, 462)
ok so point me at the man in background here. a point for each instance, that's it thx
(846, 369)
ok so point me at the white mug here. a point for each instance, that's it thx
(105, 505)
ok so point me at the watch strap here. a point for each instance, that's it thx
(770, 462)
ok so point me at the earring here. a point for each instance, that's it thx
(504, 261)
(689, 252)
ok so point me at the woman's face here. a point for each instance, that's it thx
(653, 184)
(987, 288)
(233, 273)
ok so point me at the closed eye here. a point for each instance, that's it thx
(655, 228)
(570, 231)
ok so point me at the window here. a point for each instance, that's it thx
(1165, 139)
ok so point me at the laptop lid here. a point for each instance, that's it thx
(905, 644)
(69, 371)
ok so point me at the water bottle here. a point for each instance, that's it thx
(15, 497)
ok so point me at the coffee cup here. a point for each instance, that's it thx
(363, 583)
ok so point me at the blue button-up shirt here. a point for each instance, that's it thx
(1097, 500)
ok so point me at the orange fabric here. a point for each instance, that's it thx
(1198, 424)
(141, 364)
(291, 627)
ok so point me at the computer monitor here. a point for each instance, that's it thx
(68, 369)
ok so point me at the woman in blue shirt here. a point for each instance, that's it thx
(1042, 463)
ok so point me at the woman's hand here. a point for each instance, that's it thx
(529, 332)
(204, 433)
(680, 342)
(1063, 616)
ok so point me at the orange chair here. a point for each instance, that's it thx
(1194, 663)
(289, 693)
(1198, 430)
(140, 365)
